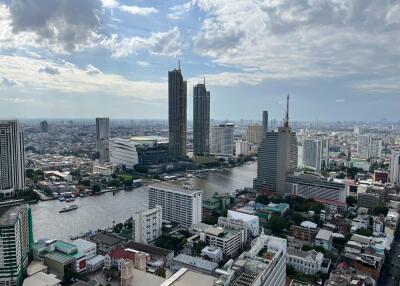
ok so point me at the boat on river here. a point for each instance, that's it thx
(68, 208)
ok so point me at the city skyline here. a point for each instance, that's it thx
(115, 64)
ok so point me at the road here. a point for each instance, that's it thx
(390, 280)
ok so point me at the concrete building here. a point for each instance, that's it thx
(277, 157)
(241, 148)
(222, 140)
(378, 226)
(147, 225)
(251, 221)
(123, 153)
(196, 264)
(307, 262)
(178, 204)
(254, 134)
(212, 253)
(201, 120)
(16, 243)
(303, 233)
(264, 123)
(369, 147)
(44, 126)
(316, 153)
(103, 139)
(87, 248)
(314, 187)
(395, 168)
(263, 265)
(324, 238)
(177, 113)
(12, 158)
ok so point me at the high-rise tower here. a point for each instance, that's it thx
(264, 123)
(12, 158)
(177, 109)
(201, 119)
(277, 156)
(103, 138)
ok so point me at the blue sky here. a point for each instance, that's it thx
(338, 59)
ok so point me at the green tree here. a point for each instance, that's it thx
(364, 231)
(262, 199)
(380, 210)
(96, 188)
(276, 224)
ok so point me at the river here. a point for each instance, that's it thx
(101, 211)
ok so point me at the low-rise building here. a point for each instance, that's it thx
(324, 238)
(106, 242)
(212, 253)
(251, 221)
(161, 255)
(147, 225)
(307, 262)
(303, 233)
(378, 225)
(196, 264)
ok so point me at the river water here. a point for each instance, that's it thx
(101, 211)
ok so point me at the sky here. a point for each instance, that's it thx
(338, 59)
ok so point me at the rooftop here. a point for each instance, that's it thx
(83, 243)
(173, 188)
(60, 257)
(106, 238)
(196, 262)
(324, 234)
(9, 215)
(149, 248)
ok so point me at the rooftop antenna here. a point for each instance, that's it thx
(204, 81)
(286, 121)
(179, 64)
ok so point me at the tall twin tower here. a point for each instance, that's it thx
(177, 116)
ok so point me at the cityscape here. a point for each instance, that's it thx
(198, 197)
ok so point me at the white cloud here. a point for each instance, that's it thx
(143, 63)
(178, 11)
(300, 39)
(162, 43)
(136, 10)
(72, 79)
(111, 4)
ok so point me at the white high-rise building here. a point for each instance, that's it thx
(395, 168)
(147, 225)
(178, 204)
(15, 244)
(103, 138)
(242, 148)
(315, 153)
(222, 140)
(12, 158)
(375, 148)
(123, 152)
(369, 147)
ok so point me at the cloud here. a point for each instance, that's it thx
(178, 11)
(110, 4)
(136, 10)
(143, 64)
(162, 43)
(388, 85)
(49, 70)
(63, 26)
(340, 100)
(74, 80)
(5, 82)
(92, 70)
(286, 39)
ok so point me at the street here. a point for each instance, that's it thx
(391, 279)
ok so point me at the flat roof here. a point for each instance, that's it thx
(60, 257)
(83, 243)
(324, 234)
(65, 246)
(174, 188)
(106, 238)
(9, 214)
(148, 248)
(196, 262)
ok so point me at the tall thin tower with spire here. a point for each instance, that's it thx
(177, 113)
(277, 157)
(201, 119)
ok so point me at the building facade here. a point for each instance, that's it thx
(201, 120)
(222, 140)
(177, 113)
(147, 225)
(241, 148)
(12, 158)
(316, 153)
(103, 139)
(307, 262)
(395, 168)
(180, 205)
(254, 134)
(123, 153)
(16, 244)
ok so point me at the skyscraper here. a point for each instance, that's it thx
(44, 126)
(254, 134)
(201, 119)
(16, 243)
(316, 153)
(369, 147)
(265, 123)
(277, 156)
(12, 158)
(395, 168)
(103, 138)
(177, 109)
(222, 140)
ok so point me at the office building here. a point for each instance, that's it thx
(395, 168)
(103, 139)
(44, 126)
(147, 225)
(12, 158)
(178, 204)
(277, 157)
(264, 124)
(314, 187)
(254, 134)
(252, 222)
(369, 147)
(376, 148)
(177, 109)
(16, 243)
(222, 140)
(263, 265)
(316, 153)
(241, 148)
(201, 120)
(123, 153)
